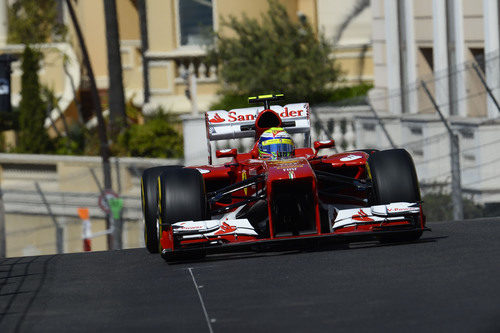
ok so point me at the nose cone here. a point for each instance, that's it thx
(291, 168)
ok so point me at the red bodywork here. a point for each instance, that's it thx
(294, 174)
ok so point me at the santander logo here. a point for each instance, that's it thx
(361, 216)
(216, 119)
(225, 228)
(233, 116)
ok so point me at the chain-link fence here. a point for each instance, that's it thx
(42, 195)
(467, 96)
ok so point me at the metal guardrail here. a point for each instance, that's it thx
(54, 159)
(64, 204)
(22, 171)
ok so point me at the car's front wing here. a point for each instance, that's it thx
(231, 234)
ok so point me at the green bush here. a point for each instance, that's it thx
(33, 137)
(74, 142)
(438, 207)
(348, 94)
(230, 101)
(158, 137)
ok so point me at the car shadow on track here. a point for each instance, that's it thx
(276, 251)
(374, 244)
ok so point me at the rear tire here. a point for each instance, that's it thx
(182, 197)
(149, 199)
(394, 179)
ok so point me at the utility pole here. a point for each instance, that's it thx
(143, 18)
(96, 101)
(117, 117)
(456, 187)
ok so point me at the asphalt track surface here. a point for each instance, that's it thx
(447, 282)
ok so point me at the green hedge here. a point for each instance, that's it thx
(159, 136)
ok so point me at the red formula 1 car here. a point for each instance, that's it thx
(251, 202)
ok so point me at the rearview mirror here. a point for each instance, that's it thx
(318, 145)
(226, 153)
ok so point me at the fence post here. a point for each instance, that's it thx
(3, 247)
(118, 176)
(116, 207)
(490, 93)
(117, 238)
(456, 187)
(109, 222)
(112, 222)
(59, 228)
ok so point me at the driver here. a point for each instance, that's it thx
(276, 143)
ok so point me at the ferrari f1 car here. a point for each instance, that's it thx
(252, 202)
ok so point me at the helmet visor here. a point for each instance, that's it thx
(278, 147)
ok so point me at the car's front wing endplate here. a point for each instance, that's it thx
(398, 211)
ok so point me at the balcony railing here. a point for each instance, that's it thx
(187, 60)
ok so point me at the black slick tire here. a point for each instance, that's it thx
(149, 200)
(182, 197)
(394, 179)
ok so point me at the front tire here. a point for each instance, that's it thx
(394, 179)
(149, 199)
(182, 197)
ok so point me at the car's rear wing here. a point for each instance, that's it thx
(239, 123)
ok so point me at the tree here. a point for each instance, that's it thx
(34, 21)
(33, 137)
(275, 55)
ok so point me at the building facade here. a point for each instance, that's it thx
(172, 44)
(430, 55)
(176, 43)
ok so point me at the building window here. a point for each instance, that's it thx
(196, 22)
(467, 133)
(427, 54)
(416, 130)
(368, 127)
(478, 54)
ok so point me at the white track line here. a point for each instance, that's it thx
(201, 300)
